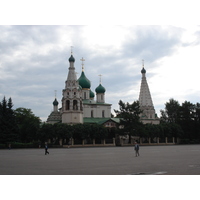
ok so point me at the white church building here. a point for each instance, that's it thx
(80, 106)
(78, 102)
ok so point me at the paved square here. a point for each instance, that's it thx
(168, 160)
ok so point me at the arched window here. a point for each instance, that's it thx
(67, 105)
(81, 105)
(75, 105)
(103, 113)
(92, 113)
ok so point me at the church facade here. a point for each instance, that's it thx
(80, 106)
(78, 101)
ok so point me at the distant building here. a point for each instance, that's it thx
(148, 115)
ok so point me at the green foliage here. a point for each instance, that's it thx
(27, 123)
(171, 112)
(129, 114)
(185, 116)
(8, 128)
(130, 118)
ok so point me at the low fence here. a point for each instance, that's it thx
(120, 142)
(90, 143)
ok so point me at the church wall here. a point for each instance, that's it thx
(72, 118)
(150, 121)
(97, 111)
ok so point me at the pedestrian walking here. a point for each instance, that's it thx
(136, 149)
(46, 148)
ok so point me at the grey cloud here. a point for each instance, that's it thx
(152, 42)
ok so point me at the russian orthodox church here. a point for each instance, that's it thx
(148, 115)
(78, 102)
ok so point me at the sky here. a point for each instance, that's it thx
(34, 62)
(113, 37)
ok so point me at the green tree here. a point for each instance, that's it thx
(187, 120)
(171, 112)
(8, 128)
(46, 131)
(130, 117)
(28, 124)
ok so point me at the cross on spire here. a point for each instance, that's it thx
(55, 93)
(142, 62)
(100, 78)
(71, 50)
(82, 63)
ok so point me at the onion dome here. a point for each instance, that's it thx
(55, 103)
(100, 89)
(143, 71)
(84, 82)
(71, 59)
(91, 94)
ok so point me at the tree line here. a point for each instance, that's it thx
(22, 126)
(177, 120)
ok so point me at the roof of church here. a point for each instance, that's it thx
(91, 94)
(100, 89)
(83, 81)
(99, 120)
(145, 95)
(55, 103)
(143, 71)
(71, 59)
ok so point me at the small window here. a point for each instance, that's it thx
(103, 113)
(92, 113)
(67, 105)
(75, 105)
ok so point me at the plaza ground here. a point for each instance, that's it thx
(153, 160)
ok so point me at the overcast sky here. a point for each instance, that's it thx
(34, 62)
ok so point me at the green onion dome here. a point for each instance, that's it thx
(100, 89)
(143, 71)
(84, 82)
(91, 94)
(71, 59)
(55, 103)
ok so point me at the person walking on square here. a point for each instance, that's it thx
(136, 149)
(46, 148)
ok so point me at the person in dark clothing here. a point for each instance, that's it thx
(136, 149)
(46, 148)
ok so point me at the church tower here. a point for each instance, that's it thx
(84, 83)
(55, 116)
(72, 108)
(100, 92)
(146, 104)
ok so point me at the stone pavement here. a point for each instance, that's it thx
(153, 160)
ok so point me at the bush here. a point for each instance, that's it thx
(24, 145)
(3, 146)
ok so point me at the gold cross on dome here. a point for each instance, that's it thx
(82, 63)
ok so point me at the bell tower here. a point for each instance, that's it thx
(72, 105)
(146, 104)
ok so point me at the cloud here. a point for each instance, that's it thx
(34, 62)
